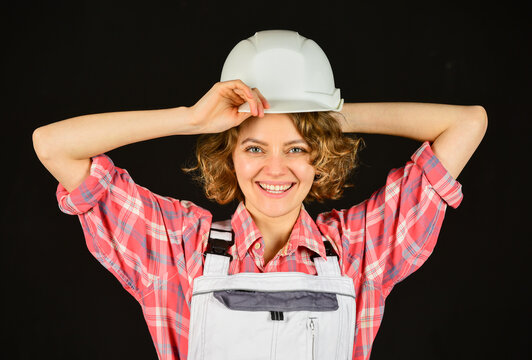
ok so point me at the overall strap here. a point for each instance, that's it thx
(221, 238)
(331, 267)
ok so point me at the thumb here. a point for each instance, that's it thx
(241, 116)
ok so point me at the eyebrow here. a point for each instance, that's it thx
(298, 141)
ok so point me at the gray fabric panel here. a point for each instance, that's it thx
(277, 301)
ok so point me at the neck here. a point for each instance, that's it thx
(274, 230)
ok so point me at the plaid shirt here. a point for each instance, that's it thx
(153, 244)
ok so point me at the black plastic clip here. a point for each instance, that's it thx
(329, 250)
(219, 246)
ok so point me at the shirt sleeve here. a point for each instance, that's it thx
(391, 234)
(142, 238)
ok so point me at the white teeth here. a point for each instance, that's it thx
(276, 189)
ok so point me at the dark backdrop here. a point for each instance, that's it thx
(468, 300)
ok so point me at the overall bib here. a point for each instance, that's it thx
(267, 316)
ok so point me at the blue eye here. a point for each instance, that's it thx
(252, 147)
(298, 148)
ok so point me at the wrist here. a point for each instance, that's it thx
(184, 121)
(343, 120)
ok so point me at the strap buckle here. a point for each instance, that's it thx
(219, 246)
(329, 250)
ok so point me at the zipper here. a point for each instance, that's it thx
(312, 328)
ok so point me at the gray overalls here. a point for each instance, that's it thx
(276, 315)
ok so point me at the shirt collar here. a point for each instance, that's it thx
(304, 233)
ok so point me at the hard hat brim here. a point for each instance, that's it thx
(293, 106)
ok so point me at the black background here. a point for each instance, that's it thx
(468, 301)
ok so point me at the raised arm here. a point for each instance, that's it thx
(65, 147)
(455, 131)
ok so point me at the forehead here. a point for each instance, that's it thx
(276, 126)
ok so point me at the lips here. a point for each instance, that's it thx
(275, 187)
(275, 190)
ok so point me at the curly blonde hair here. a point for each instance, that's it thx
(334, 156)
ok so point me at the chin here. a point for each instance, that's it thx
(273, 209)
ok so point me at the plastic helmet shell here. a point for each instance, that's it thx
(291, 71)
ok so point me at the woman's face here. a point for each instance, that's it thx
(272, 165)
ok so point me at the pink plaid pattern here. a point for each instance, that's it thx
(153, 244)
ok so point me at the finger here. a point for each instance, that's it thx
(241, 94)
(260, 110)
(252, 101)
(243, 86)
(239, 84)
(237, 96)
(265, 102)
(260, 106)
(252, 97)
(243, 116)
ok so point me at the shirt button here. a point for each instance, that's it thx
(257, 246)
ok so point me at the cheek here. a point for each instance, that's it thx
(243, 167)
(305, 172)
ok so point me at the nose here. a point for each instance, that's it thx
(275, 165)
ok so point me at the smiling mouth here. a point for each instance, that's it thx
(276, 189)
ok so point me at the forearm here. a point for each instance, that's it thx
(85, 136)
(419, 121)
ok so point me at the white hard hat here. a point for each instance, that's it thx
(291, 71)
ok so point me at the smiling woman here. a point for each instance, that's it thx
(332, 154)
(325, 280)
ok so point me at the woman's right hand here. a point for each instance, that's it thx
(217, 110)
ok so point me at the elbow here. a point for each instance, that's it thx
(39, 143)
(36, 140)
(477, 115)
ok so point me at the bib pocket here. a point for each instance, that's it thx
(277, 301)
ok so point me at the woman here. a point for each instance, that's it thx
(272, 161)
